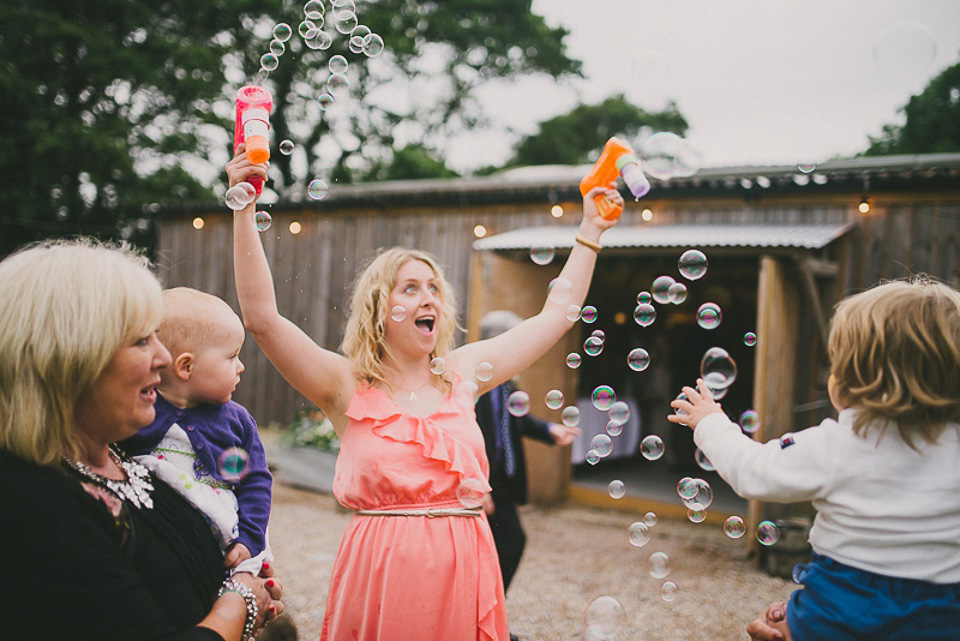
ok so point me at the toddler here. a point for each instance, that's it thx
(202, 443)
(884, 477)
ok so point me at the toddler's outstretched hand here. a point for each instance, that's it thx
(699, 403)
(236, 554)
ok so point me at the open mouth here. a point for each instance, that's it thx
(425, 324)
(149, 393)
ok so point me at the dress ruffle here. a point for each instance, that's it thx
(372, 405)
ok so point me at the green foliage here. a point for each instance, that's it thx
(311, 428)
(412, 161)
(932, 120)
(569, 139)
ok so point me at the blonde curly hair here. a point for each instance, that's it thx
(364, 338)
(895, 355)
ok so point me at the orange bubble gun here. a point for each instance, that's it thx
(616, 159)
(252, 127)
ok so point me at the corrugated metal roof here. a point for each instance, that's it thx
(767, 235)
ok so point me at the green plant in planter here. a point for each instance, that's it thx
(311, 428)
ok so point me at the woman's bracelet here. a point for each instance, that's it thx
(250, 623)
(589, 243)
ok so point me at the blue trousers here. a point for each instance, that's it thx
(842, 603)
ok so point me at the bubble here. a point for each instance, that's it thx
(307, 29)
(317, 189)
(240, 195)
(767, 533)
(905, 50)
(470, 493)
(570, 416)
(592, 457)
(573, 313)
(320, 40)
(438, 366)
(559, 292)
(638, 534)
(709, 316)
(373, 45)
(717, 368)
(484, 372)
(325, 100)
(697, 514)
(282, 31)
(262, 221)
(659, 154)
(619, 412)
(542, 255)
(554, 399)
(277, 48)
(398, 313)
(269, 61)
(614, 428)
(660, 289)
(603, 397)
(718, 393)
(599, 333)
(692, 264)
(644, 298)
(659, 565)
(734, 527)
(602, 444)
(616, 489)
(588, 314)
(668, 591)
(233, 464)
(750, 421)
(605, 619)
(650, 519)
(806, 167)
(749, 339)
(677, 293)
(652, 447)
(703, 461)
(336, 82)
(644, 314)
(361, 31)
(700, 494)
(519, 403)
(573, 360)
(286, 147)
(592, 346)
(346, 22)
(355, 43)
(686, 488)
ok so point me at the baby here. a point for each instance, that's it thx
(201, 443)
(884, 477)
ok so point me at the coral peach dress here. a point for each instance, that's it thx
(416, 578)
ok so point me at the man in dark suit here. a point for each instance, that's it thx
(502, 434)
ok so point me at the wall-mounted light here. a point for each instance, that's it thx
(295, 228)
(479, 231)
(198, 223)
(647, 214)
(864, 205)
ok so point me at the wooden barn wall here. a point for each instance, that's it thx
(314, 270)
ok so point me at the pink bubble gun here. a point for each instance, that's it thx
(616, 159)
(252, 127)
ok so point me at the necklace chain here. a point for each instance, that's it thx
(413, 391)
(137, 486)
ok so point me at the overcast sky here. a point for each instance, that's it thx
(760, 82)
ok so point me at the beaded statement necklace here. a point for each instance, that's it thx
(136, 488)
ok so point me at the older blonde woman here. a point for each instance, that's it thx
(415, 562)
(96, 547)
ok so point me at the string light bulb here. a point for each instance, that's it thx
(864, 206)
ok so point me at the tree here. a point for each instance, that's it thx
(932, 120)
(571, 138)
(114, 106)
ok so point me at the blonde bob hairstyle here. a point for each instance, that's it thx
(364, 340)
(66, 306)
(895, 355)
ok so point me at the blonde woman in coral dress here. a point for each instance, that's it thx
(416, 563)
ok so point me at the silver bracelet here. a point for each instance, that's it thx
(250, 623)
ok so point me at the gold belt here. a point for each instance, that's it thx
(429, 513)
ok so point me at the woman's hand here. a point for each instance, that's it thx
(239, 168)
(268, 590)
(593, 224)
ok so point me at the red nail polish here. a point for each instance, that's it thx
(270, 583)
(266, 566)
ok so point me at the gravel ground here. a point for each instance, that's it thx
(574, 554)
